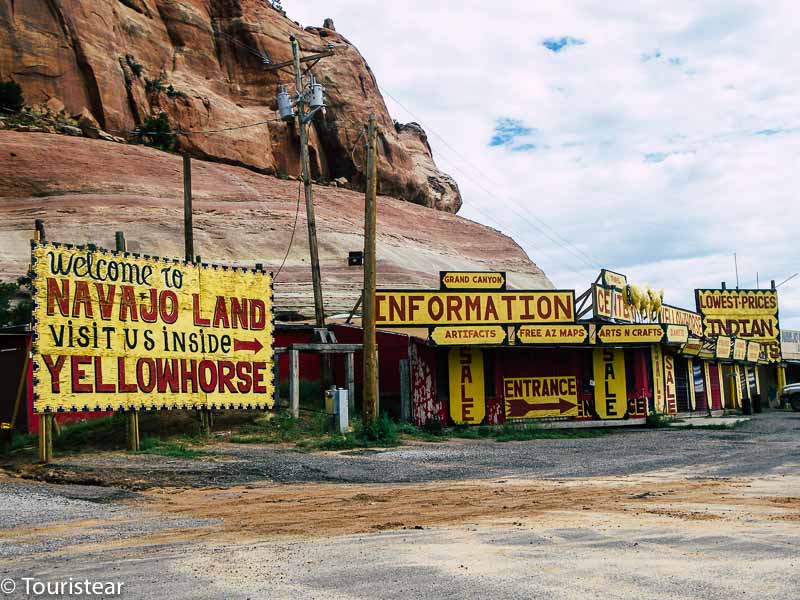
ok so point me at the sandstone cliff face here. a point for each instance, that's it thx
(86, 189)
(203, 63)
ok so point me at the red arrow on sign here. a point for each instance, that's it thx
(519, 408)
(255, 345)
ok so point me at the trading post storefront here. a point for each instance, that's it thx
(482, 354)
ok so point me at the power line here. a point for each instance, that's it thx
(294, 228)
(566, 244)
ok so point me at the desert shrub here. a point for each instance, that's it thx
(11, 98)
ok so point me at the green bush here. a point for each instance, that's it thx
(11, 98)
(17, 313)
(156, 131)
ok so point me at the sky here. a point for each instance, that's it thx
(652, 138)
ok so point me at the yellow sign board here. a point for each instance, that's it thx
(472, 280)
(116, 331)
(467, 392)
(692, 347)
(532, 397)
(753, 351)
(611, 303)
(678, 316)
(659, 397)
(421, 308)
(723, 348)
(739, 349)
(464, 336)
(670, 385)
(610, 386)
(552, 334)
(677, 334)
(613, 280)
(748, 314)
(630, 334)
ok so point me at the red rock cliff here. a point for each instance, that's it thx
(203, 63)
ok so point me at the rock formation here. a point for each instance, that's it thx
(205, 63)
(87, 189)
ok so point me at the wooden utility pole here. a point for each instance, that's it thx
(302, 124)
(370, 387)
(188, 232)
(188, 250)
(133, 415)
(45, 419)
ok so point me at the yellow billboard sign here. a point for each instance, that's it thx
(552, 334)
(723, 348)
(748, 314)
(116, 331)
(464, 336)
(610, 385)
(610, 303)
(532, 397)
(670, 385)
(630, 334)
(472, 280)
(467, 392)
(419, 308)
(673, 315)
(677, 334)
(692, 347)
(739, 349)
(612, 279)
(659, 397)
(754, 351)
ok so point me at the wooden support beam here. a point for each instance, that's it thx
(309, 58)
(351, 382)
(405, 390)
(294, 382)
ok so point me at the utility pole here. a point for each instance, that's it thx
(188, 250)
(303, 120)
(370, 387)
(188, 233)
(133, 415)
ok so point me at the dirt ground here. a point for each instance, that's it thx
(672, 531)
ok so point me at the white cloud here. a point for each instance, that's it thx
(718, 73)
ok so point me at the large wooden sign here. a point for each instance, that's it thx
(552, 334)
(472, 280)
(612, 279)
(115, 331)
(754, 351)
(534, 397)
(630, 334)
(739, 349)
(678, 316)
(748, 314)
(611, 303)
(410, 308)
(610, 384)
(467, 392)
(490, 335)
(723, 348)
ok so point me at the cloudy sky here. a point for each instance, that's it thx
(653, 138)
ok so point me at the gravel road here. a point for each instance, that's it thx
(756, 447)
(673, 514)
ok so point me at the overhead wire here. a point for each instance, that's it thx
(543, 227)
(294, 229)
